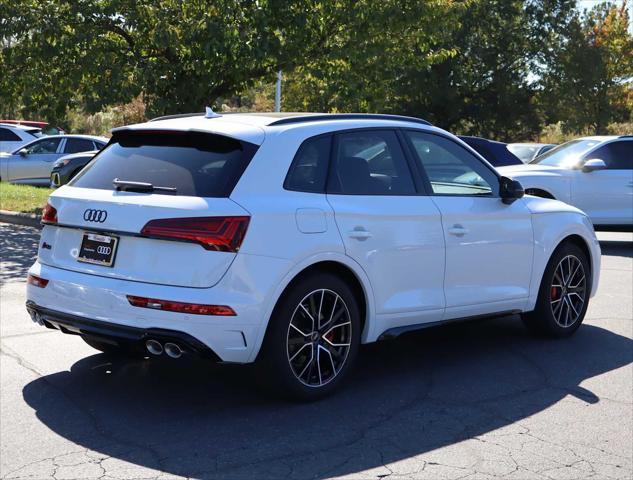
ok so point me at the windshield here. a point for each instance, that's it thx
(524, 152)
(565, 155)
(36, 132)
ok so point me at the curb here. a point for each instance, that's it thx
(17, 218)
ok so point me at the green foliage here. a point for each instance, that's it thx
(465, 66)
(180, 55)
(589, 77)
(259, 98)
(557, 133)
(101, 123)
(495, 68)
(23, 198)
(366, 65)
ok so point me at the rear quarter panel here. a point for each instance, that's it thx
(295, 226)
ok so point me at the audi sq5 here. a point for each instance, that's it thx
(290, 239)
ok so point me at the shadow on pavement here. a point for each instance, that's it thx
(409, 396)
(18, 250)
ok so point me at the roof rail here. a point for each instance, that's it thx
(347, 116)
(179, 115)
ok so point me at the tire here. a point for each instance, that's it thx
(109, 348)
(305, 363)
(563, 295)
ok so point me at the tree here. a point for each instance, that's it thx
(587, 83)
(180, 55)
(366, 63)
(464, 66)
(484, 89)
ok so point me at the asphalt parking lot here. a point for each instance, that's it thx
(472, 401)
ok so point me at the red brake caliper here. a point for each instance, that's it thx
(553, 293)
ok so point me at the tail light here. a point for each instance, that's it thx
(36, 281)
(49, 214)
(169, 306)
(222, 234)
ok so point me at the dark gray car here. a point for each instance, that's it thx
(68, 166)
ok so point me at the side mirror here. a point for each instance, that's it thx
(593, 164)
(510, 190)
(23, 152)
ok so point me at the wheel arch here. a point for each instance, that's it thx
(355, 277)
(342, 271)
(554, 228)
(581, 243)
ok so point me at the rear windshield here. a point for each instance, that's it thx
(36, 132)
(195, 164)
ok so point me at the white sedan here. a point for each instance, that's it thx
(594, 174)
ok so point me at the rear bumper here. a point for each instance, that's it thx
(76, 301)
(130, 337)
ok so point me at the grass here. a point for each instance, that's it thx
(23, 198)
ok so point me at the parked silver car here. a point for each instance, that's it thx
(32, 163)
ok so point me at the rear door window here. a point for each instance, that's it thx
(7, 135)
(370, 163)
(77, 145)
(195, 164)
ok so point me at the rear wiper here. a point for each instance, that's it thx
(130, 186)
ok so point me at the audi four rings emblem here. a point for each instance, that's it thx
(98, 216)
(103, 250)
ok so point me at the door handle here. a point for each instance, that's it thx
(458, 230)
(359, 233)
(630, 184)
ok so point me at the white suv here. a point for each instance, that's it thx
(291, 239)
(594, 174)
(14, 136)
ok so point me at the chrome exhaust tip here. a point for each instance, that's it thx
(36, 317)
(173, 350)
(154, 347)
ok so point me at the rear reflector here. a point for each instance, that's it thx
(49, 214)
(222, 234)
(36, 281)
(169, 306)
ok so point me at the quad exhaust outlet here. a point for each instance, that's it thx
(173, 350)
(156, 348)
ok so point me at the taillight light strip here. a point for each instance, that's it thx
(49, 214)
(180, 307)
(222, 234)
(36, 281)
